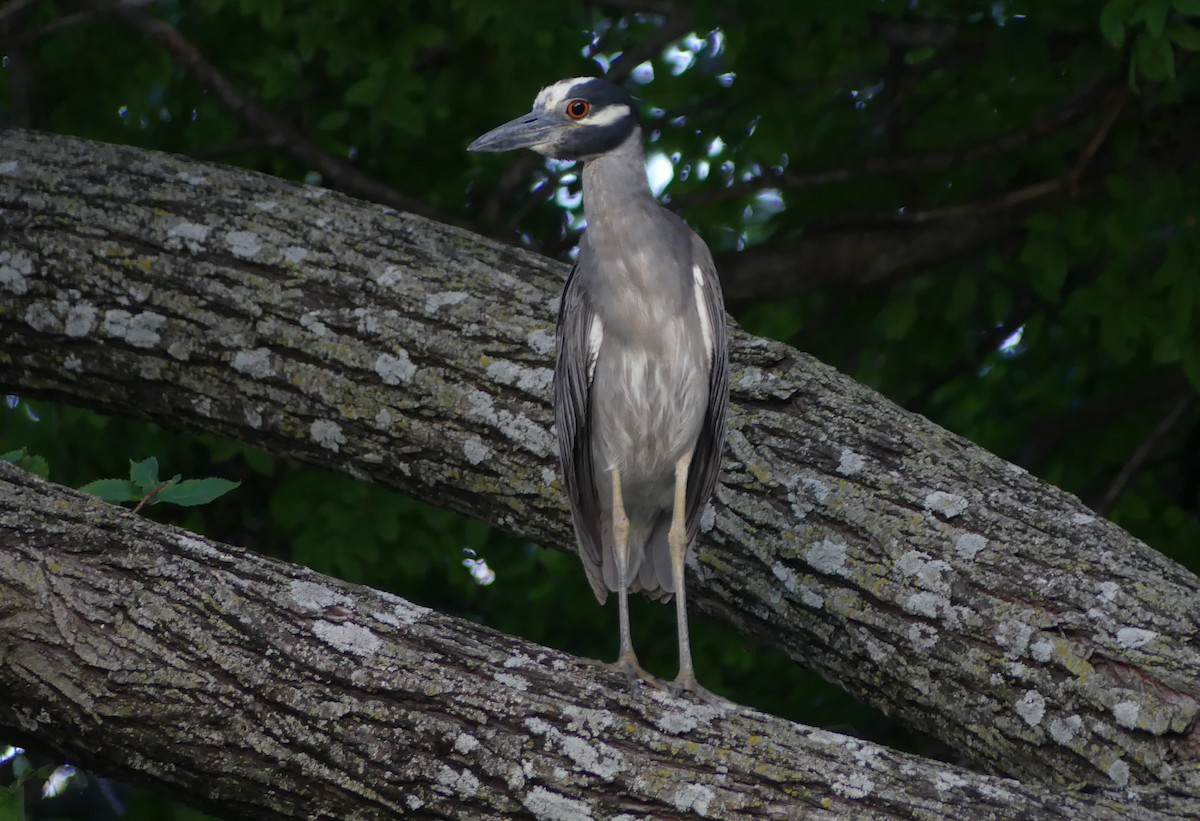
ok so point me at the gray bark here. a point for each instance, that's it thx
(925, 575)
(258, 689)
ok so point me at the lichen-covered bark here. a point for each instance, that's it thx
(264, 690)
(927, 576)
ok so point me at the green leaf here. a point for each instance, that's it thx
(899, 316)
(271, 14)
(333, 120)
(1048, 264)
(370, 88)
(192, 492)
(36, 465)
(1185, 36)
(22, 458)
(1155, 13)
(1187, 6)
(1154, 57)
(1112, 21)
(113, 490)
(144, 474)
(12, 804)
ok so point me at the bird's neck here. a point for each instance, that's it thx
(613, 185)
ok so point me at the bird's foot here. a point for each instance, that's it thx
(687, 682)
(628, 664)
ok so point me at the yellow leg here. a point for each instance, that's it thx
(627, 662)
(678, 542)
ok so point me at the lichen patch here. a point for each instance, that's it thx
(15, 270)
(243, 244)
(256, 362)
(827, 556)
(395, 369)
(1031, 707)
(327, 434)
(946, 505)
(347, 637)
(435, 302)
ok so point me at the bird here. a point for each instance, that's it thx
(641, 378)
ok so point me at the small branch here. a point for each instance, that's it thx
(13, 8)
(1083, 104)
(1067, 181)
(514, 178)
(663, 9)
(1141, 453)
(674, 26)
(914, 34)
(336, 173)
(1054, 429)
(536, 198)
(150, 496)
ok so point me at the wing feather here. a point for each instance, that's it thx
(574, 368)
(706, 459)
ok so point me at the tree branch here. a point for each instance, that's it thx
(1140, 454)
(1082, 104)
(334, 172)
(259, 689)
(928, 577)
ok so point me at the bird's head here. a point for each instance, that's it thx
(573, 119)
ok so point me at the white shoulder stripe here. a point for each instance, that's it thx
(595, 340)
(706, 327)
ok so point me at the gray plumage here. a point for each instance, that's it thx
(641, 378)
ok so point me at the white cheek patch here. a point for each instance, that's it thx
(607, 116)
(595, 340)
(706, 328)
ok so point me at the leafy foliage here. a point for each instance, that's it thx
(990, 211)
(144, 487)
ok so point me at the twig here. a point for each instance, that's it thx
(1054, 429)
(1067, 181)
(335, 172)
(149, 496)
(674, 26)
(12, 8)
(544, 194)
(1140, 454)
(515, 177)
(1065, 116)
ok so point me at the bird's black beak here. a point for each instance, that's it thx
(532, 130)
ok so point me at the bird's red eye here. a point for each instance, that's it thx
(578, 109)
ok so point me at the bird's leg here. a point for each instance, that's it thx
(677, 540)
(627, 662)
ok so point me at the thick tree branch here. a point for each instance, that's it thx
(928, 577)
(263, 690)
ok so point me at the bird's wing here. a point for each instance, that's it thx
(706, 459)
(573, 373)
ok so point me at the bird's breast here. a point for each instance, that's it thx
(649, 396)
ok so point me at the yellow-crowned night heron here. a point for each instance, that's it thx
(641, 382)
